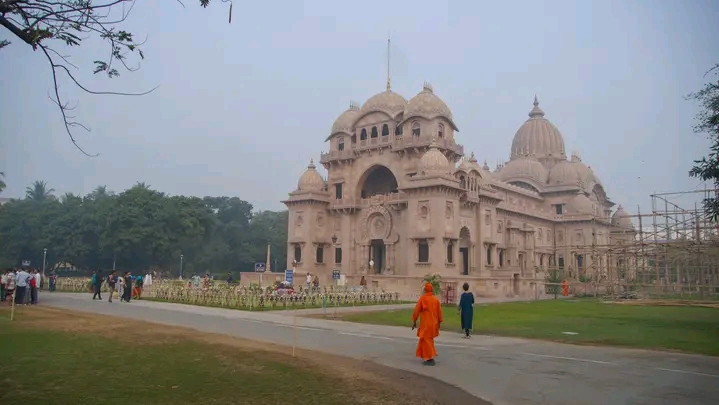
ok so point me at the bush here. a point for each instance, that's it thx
(435, 280)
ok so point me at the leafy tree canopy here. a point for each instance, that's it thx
(139, 229)
(707, 121)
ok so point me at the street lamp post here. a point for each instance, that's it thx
(181, 257)
(44, 256)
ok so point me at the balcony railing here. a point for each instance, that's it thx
(391, 198)
(396, 142)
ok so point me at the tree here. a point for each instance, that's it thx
(38, 191)
(55, 26)
(2, 182)
(140, 229)
(707, 121)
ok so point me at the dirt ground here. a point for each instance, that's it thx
(365, 378)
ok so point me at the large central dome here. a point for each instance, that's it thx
(538, 138)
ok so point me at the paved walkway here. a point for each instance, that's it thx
(505, 371)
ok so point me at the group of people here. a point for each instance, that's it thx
(428, 311)
(127, 286)
(15, 284)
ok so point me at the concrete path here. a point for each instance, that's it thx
(504, 371)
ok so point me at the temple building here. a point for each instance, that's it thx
(402, 200)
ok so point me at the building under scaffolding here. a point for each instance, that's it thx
(672, 249)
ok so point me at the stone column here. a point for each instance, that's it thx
(389, 253)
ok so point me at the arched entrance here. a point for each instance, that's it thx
(377, 180)
(464, 245)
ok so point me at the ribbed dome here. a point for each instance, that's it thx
(621, 219)
(427, 105)
(311, 179)
(388, 102)
(572, 173)
(538, 138)
(433, 161)
(523, 168)
(580, 204)
(346, 120)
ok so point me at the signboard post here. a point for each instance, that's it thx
(336, 276)
(260, 268)
(290, 276)
(26, 263)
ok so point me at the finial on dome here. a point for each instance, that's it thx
(486, 166)
(354, 105)
(434, 144)
(536, 111)
(427, 87)
(472, 159)
(312, 164)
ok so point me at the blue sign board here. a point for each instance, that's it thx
(335, 274)
(259, 267)
(290, 276)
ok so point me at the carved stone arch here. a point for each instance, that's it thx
(376, 223)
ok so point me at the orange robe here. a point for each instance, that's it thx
(429, 312)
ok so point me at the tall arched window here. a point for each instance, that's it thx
(385, 130)
(374, 132)
(440, 131)
(363, 135)
(341, 143)
(462, 182)
(398, 130)
(415, 129)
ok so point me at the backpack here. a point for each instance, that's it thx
(33, 282)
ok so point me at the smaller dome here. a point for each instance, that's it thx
(574, 172)
(427, 105)
(621, 219)
(388, 102)
(580, 204)
(524, 168)
(346, 120)
(434, 161)
(469, 164)
(311, 179)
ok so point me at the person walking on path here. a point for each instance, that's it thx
(429, 312)
(111, 284)
(127, 288)
(466, 310)
(97, 285)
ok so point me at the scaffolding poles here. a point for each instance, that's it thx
(670, 249)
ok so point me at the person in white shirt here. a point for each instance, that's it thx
(34, 290)
(10, 285)
(21, 281)
(3, 281)
(309, 281)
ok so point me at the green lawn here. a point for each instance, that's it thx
(63, 358)
(688, 329)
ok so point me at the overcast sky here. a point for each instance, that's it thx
(242, 107)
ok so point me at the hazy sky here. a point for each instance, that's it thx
(242, 107)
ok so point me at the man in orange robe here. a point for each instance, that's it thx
(429, 312)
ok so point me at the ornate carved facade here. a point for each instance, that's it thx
(401, 200)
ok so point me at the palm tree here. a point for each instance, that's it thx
(38, 191)
(2, 181)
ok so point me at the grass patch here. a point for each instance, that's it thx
(65, 358)
(683, 328)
